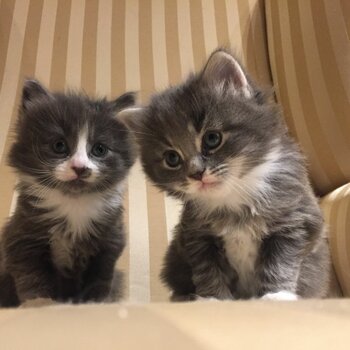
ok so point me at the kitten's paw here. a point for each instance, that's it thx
(182, 298)
(96, 293)
(199, 298)
(38, 302)
(281, 295)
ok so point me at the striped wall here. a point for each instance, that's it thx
(107, 47)
(336, 208)
(309, 50)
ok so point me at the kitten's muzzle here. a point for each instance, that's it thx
(197, 175)
(82, 172)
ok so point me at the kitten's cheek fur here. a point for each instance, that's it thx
(63, 172)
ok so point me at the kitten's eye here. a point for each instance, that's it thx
(60, 147)
(99, 150)
(212, 139)
(172, 159)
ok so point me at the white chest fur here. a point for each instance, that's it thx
(62, 246)
(79, 212)
(74, 214)
(242, 247)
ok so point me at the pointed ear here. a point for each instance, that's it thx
(32, 91)
(224, 71)
(131, 117)
(124, 101)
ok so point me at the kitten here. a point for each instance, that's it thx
(72, 156)
(250, 225)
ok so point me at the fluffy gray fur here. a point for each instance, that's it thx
(72, 157)
(250, 225)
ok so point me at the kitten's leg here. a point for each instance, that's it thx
(211, 273)
(98, 278)
(8, 294)
(33, 283)
(29, 263)
(279, 267)
(177, 274)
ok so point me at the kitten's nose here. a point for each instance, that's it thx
(197, 175)
(82, 172)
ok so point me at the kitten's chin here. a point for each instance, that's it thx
(77, 183)
(76, 186)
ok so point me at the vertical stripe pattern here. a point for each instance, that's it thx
(336, 208)
(310, 60)
(75, 44)
(108, 47)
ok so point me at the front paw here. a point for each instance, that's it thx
(99, 292)
(38, 302)
(282, 295)
(191, 297)
(199, 298)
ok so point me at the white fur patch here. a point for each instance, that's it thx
(199, 298)
(79, 211)
(79, 159)
(242, 247)
(237, 190)
(281, 295)
(61, 248)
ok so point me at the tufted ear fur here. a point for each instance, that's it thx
(131, 117)
(32, 91)
(124, 101)
(223, 70)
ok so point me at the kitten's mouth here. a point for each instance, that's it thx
(208, 185)
(77, 183)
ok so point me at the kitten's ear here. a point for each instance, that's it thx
(131, 117)
(32, 91)
(222, 70)
(124, 101)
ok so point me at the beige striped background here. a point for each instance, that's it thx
(107, 47)
(310, 61)
(336, 208)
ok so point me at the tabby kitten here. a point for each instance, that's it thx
(250, 225)
(72, 156)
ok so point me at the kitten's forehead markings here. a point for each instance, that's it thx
(80, 158)
(197, 161)
(198, 142)
(197, 136)
(191, 128)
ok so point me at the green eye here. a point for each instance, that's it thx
(172, 158)
(99, 150)
(60, 147)
(212, 139)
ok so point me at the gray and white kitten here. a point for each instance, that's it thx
(72, 156)
(250, 225)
